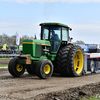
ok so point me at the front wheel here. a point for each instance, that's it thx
(44, 68)
(16, 69)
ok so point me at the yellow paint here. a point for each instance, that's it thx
(78, 61)
(28, 43)
(47, 69)
(19, 67)
(35, 43)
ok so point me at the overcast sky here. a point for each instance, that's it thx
(24, 16)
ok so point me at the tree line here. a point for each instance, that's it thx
(79, 42)
(11, 40)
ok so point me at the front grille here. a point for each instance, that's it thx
(38, 51)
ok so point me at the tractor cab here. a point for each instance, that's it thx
(56, 33)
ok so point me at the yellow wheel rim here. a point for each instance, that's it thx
(78, 61)
(47, 69)
(19, 67)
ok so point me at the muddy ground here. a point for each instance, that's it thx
(4, 61)
(30, 87)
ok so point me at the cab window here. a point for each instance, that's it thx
(45, 33)
(55, 33)
(65, 34)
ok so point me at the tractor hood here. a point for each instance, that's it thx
(39, 42)
(34, 47)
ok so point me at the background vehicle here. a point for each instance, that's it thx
(11, 49)
(16, 49)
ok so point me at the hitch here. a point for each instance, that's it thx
(28, 61)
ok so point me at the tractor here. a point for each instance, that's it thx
(54, 51)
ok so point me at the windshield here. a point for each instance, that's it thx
(55, 33)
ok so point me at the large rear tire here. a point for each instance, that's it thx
(76, 61)
(70, 61)
(31, 69)
(44, 68)
(62, 60)
(16, 69)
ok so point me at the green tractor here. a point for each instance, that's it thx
(53, 52)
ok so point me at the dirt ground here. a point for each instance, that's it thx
(4, 61)
(30, 87)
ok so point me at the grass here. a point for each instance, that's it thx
(2, 58)
(3, 65)
(92, 98)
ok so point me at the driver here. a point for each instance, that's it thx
(54, 36)
(54, 43)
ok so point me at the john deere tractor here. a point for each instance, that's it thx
(53, 52)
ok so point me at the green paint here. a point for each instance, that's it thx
(39, 42)
(54, 23)
(50, 57)
(36, 59)
(30, 46)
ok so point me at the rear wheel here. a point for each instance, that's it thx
(70, 61)
(15, 68)
(31, 69)
(44, 68)
(76, 61)
(62, 60)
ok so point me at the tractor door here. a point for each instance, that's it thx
(65, 36)
(55, 38)
(53, 34)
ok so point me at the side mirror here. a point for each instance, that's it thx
(71, 39)
(70, 29)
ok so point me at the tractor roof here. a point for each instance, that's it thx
(53, 23)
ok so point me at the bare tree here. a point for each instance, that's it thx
(25, 37)
(35, 37)
(31, 37)
(0, 39)
(11, 40)
(4, 36)
(79, 42)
